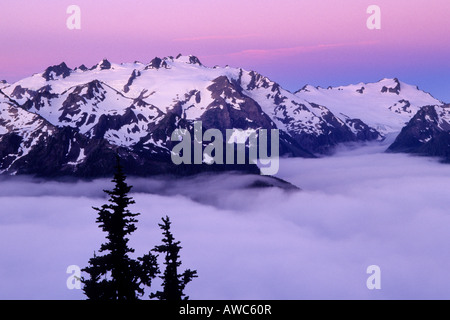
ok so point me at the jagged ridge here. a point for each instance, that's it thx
(134, 107)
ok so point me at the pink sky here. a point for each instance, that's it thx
(294, 42)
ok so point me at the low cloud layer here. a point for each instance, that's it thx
(356, 209)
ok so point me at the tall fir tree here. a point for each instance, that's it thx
(173, 283)
(115, 275)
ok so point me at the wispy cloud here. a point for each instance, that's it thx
(290, 51)
(217, 37)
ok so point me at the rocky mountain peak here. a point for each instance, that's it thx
(102, 65)
(391, 86)
(306, 88)
(190, 59)
(56, 71)
(82, 68)
(157, 63)
(89, 89)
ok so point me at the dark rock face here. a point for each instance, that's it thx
(102, 65)
(257, 80)
(19, 92)
(82, 68)
(9, 145)
(113, 122)
(439, 146)
(332, 131)
(56, 71)
(157, 63)
(240, 112)
(395, 89)
(80, 95)
(133, 76)
(232, 111)
(364, 132)
(39, 98)
(105, 65)
(401, 106)
(427, 133)
(194, 60)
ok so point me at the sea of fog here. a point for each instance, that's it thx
(358, 208)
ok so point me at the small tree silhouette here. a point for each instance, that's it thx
(115, 275)
(173, 283)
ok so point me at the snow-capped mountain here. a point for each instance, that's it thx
(20, 131)
(73, 121)
(386, 105)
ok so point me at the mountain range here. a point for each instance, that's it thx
(74, 122)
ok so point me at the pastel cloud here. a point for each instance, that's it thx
(289, 51)
(217, 37)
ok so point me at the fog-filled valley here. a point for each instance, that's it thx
(357, 208)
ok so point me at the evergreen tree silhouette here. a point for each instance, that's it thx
(173, 283)
(94, 287)
(115, 275)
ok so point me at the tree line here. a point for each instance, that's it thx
(112, 273)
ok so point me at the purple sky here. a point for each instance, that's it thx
(321, 42)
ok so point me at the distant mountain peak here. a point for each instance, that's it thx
(194, 60)
(94, 84)
(104, 64)
(82, 68)
(56, 71)
(306, 88)
(190, 59)
(167, 62)
(157, 63)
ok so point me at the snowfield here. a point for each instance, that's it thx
(385, 112)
